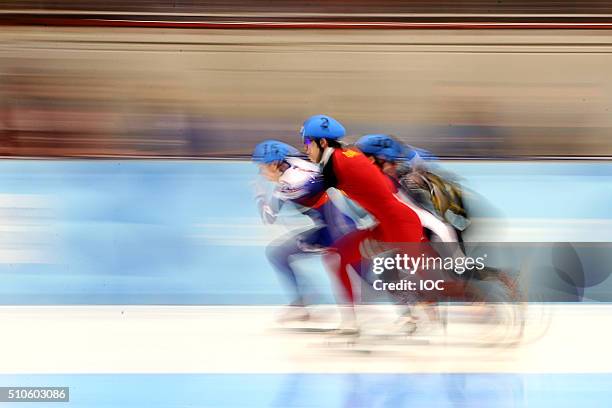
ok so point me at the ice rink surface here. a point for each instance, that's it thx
(146, 356)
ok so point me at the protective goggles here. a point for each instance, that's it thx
(306, 141)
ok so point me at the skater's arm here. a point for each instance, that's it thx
(269, 205)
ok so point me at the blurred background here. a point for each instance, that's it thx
(109, 78)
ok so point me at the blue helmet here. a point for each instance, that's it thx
(270, 151)
(383, 146)
(322, 127)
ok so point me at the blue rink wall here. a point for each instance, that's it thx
(187, 232)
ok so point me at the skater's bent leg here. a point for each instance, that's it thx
(280, 253)
(346, 252)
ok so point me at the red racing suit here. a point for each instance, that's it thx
(350, 171)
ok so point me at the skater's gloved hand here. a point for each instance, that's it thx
(370, 248)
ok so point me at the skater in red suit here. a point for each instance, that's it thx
(351, 172)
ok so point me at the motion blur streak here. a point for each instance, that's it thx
(317, 6)
(215, 93)
(168, 231)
